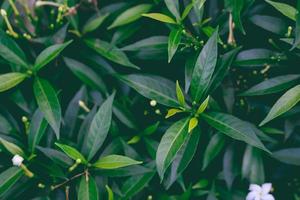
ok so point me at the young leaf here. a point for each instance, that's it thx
(170, 144)
(110, 194)
(94, 22)
(160, 17)
(173, 43)
(115, 162)
(10, 80)
(11, 52)
(153, 87)
(88, 189)
(37, 129)
(110, 52)
(203, 106)
(48, 103)
(12, 148)
(283, 104)
(49, 54)
(285, 9)
(130, 15)
(99, 128)
(180, 95)
(8, 178)
(192, 124)
(71, 152)
(204, 67)
(172, 111)
(272, 85)
(233, 127)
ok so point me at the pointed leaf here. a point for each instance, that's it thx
(192, 124)
(285, 9)
(173, 43)
(12, 148)
(180, 95)
(115, 162)
(10, 80)
(9, 177)
(71, 152)
(94, 22)
(160, 17)
(87, 189)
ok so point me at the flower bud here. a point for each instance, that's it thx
(17, 160)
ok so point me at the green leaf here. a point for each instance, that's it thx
(11, 52)
(289, 156)
(153, 87)
(110, 194)
(233, 127)
(285, 9)
(236, 7)
(86, 74)
(8, 178)
(173, 43)
(94, 22)
(38, 126)
(56, 156)
(283, 104)
(48, 103)
(192, 124)
(115, 162)
(160, 17)
(99, 129)
(297, 29)
(10, 80)
(130, 15)
(172, 112)
(272, 85)
(170, 144)
(110, 52)
(173, 7)
(204, 67)
(203, 106)
(87, 189)
(12, 148)
(49, 54)
(213, 148)
(187, 10)
(180, 95)
(71, 152)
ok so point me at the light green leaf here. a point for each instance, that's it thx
(204, 67)
(130, 15)
(115, 162)
(71, 152)
(49, 54)
(99, 129)
(173, 43)
(180, 95)
(48, 103)
(192, 124)
(170, 144)
(87, 189)
(160, 17)
(10, 80)
(8, 178)
(110, 52)
(172, 112)
(285, 9)
(94, 22)
(283, 104)
(12, 148)
(233, 127)
(203, 106)
(110, 194)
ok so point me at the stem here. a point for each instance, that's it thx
(68, 180)
(231, 39)
(46, 3)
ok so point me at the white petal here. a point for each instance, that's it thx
(267, 197)
(266, 188)
(17, 160)
(254, 187)
(252, 195)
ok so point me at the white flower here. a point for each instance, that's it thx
(260, 192)
(17, 160)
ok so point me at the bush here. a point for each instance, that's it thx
(161, 99)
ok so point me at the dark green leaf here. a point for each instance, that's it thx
(56, 156)
(174, 41)
(87, 188)
(8, 178)
(290, 156)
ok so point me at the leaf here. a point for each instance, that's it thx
(94, 22)
(71, 152)
(213, 148)
(160, 17)
(110, 52)
(11, 52)
(230, 167)
(110, 194)
(99, 129)
(285, 9)
(37, 130)
(115, 162)
(203, 106)
(273, 24)
(297, 29)
(236, 7)
(48, 54)
(130, 15)
(173, 43)
(170, 144)
(283, 104)
(233, 127)
(172, 112)
(289, 156)
(56, 156)
(204, 67)
(272, 85)
(9, 177)
(48, 103)
(12, 148)
(87, 189)
(153, 87)
(86, 74)
(180, 95)
(173, 7)
(192, 124)
(10, 80)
